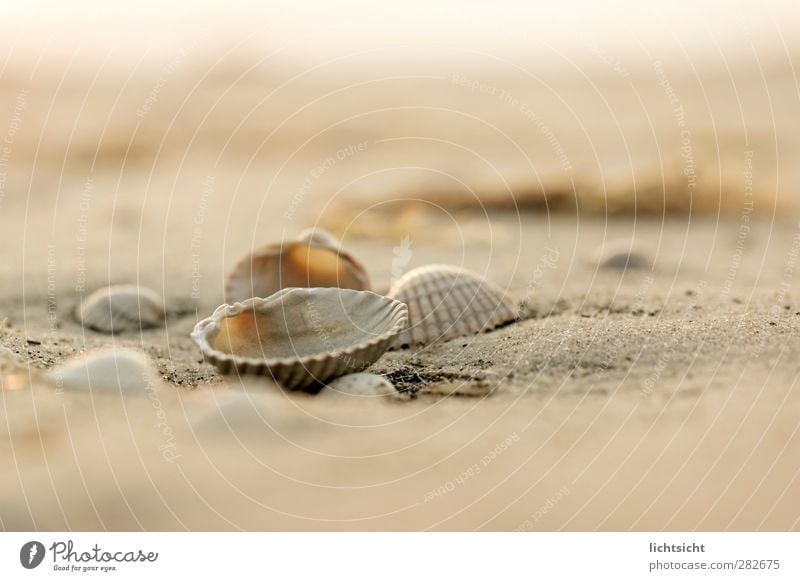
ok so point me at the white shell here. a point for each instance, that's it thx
(621, 255)
(106, 370)
(312, 261)
(118, 308)
(445, 302)
(361, 384)
(301, 337)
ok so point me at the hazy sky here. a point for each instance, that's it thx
(318, 28)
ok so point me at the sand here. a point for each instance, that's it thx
(650, 399)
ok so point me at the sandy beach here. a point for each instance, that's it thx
(661, 397)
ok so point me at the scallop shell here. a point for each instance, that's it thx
(445, 302)
(118, 308)
(621, 255)
(361, 385)
(302, 337)
(315, 260)
(109, 370)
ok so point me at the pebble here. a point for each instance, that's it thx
(106, 370)
(360, 385)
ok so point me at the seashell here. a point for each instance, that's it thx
(361, 385)
(315, 260)
(108, 370)
(119, 308)
(476, 387)
(319, 237)
(302, 337)
(445, 302)
(622, 255)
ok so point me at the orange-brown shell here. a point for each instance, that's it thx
(311, 262)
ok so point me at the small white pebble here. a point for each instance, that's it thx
(107, 370)
(361, 384)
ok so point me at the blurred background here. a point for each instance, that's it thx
(147, 133)
(156, 143)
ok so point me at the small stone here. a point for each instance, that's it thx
(119, 308)
(106, 370)
(621, 255)
(361, 385)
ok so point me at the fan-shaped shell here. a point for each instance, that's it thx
(445, 302)
(315, 260)
(302, 337)
(119, 308)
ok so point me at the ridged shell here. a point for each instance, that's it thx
(363, 385)
(106, 370)
(445, 302)
(315, 260)
(119, 308)
(621, 255)
(301, 337)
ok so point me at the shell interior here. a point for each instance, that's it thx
(301, 336)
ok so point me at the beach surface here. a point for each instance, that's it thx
(650, 399)
(661, 397)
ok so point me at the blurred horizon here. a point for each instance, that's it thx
(544, 34)
(618, 108)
